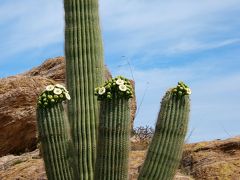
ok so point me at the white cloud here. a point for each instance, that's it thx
(157, 27)
(191, 46)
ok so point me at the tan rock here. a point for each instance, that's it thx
(54, 68)
(30, 166)
(203, 161)
(218, 159)
(27, 166)
(18, 95)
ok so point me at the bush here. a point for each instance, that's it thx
(141, 137)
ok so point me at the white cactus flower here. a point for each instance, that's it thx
(65, 90)
(61, 86)
(119, 82)
(67, 96)
(188, 91)
(49, 87)
(101, 90)
(122, 87)
(57, 91)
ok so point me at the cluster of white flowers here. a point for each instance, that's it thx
(118, 86)
(181, 89)
(101, 90)
(53, 94)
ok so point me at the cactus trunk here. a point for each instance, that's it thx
(165, 150)
(56, 143)
(113, 145)
(84, 72)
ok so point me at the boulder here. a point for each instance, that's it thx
(54, 68)
(219, 159)
(18, 96)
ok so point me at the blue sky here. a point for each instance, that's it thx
(163, 41)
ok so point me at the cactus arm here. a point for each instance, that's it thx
(114, 131)
(165, 149)
(51, 127)
(84, 72)
(54, 134)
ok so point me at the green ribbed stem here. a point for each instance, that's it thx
(113, 144)
(84, 72)
(56, 143)
(164, 153)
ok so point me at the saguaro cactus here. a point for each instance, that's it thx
(54, 134)
(114, 130)
(84, 72)
(165, 150)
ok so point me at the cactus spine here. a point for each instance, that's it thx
(165, 150)
(114, 130)
(84, 72)
(55, 137)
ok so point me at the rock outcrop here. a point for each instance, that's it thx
(218, 159)
(54, 69)
(27, 166)
(30, 166)
(211, 160)
(18, 95)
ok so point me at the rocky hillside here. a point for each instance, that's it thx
(30, 166)
(218, 159)
(214, 160)
(18, 96)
